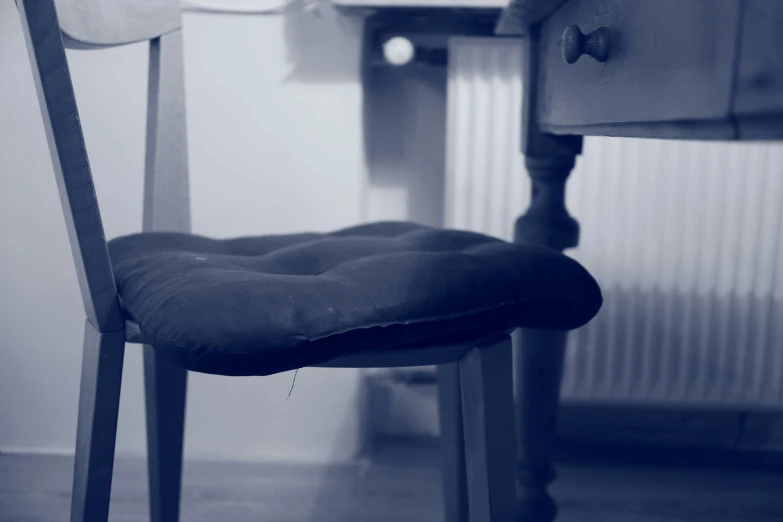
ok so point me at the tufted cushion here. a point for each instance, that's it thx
(261, 305)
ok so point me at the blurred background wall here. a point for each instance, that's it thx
(269, 153)
(284, 136)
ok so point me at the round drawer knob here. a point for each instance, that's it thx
(575, 44)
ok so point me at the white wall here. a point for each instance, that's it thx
(276, 145)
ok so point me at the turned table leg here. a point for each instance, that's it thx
(539, 363)
(539, 359)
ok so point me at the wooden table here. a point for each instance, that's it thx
(677, 69)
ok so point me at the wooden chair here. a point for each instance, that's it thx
(405, 295)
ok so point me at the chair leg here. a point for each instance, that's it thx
(488, 417)
(165, 389)
(452, 443)
(99, 403)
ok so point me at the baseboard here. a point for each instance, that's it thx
(407, 410)
(360, 460)
(56, 452)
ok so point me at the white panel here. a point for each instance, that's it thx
(685, 238)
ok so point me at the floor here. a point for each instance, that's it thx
(595, 484)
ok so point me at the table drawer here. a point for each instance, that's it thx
(667, 60)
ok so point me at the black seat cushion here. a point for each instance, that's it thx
(262, 305)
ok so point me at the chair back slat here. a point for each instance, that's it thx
(166, 200)
(166, 203)
(71, 166)
(102, 23)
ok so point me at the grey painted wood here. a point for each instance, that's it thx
(766, 127)
(165, 391)
(753, 88)
(88, 23)
(452, 444)
(488, 419)
(720, 129)
(549, 160)
(739, 128)
(71, 165)
(668, 60)
(166, 208)
(539, 374)
(99, 402)
(546, 222)
(760, 76)
(670, 74)
(519, 15)
(166, 192)
(533, 140)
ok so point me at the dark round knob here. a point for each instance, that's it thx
(575, 44)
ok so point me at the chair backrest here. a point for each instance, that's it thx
(51, 25)
(115, 22)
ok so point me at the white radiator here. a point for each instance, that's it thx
(685, 238)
